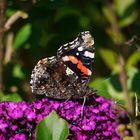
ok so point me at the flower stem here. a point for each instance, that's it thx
(2, 20)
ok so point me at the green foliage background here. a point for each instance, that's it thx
(44, 25)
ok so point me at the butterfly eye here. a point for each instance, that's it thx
(90, 41)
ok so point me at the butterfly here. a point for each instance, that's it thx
(67, 74)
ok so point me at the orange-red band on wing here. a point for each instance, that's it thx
(79, 64)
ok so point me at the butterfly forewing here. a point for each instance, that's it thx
(78, 55)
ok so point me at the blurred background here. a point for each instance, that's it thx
(34, 29)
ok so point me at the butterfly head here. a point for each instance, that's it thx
(86, 38)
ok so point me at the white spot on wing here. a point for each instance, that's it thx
(77, 53)
(65, 58)
(60, 48)
(72, 46)
(89, 54)
(80, 49)
(71, 43)
(76, 43)
(69, 71)
(51, 57)
(89, 72)
(31, 82)
(65, 45)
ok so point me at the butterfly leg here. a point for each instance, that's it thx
(68, 99)
(82, 110)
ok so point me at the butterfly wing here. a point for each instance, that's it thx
(78, 55)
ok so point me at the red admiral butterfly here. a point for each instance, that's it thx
(67, 74)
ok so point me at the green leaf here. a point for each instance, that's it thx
(133, 60)
(114, 93)
(84, 22)
(1, 95)
(126, 10)
(108, 88)
(100, 85)
(66, 11)
(22, 36)
(52, 127)
(13, 97)
(128, 20)
(108, 14)
(110, 59)
(10, 12)
(17, 72)
(114, 88)
(133, 80)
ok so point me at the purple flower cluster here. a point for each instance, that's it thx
(18, 120)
